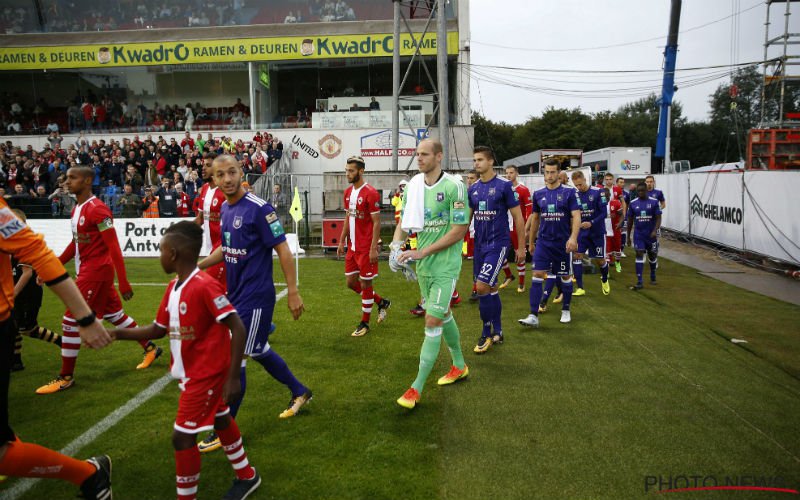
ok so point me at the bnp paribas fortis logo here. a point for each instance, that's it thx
(697, 206)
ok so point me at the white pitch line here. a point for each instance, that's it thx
(112, 419)
(165, 284)
(94, 432)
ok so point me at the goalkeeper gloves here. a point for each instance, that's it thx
(396, 249)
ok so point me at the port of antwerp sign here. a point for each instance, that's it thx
(223, 51)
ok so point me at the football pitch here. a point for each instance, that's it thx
(643, 388)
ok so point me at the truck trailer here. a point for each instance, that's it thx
(627, 162)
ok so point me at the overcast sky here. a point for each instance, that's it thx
(579, 24)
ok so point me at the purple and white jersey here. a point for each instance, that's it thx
(250, 230)
(656, 194)
(490, 203)
(593, 206)
(644, 214)
(555, 207)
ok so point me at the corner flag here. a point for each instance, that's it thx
(296, 210)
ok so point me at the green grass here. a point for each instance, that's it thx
(639, 384)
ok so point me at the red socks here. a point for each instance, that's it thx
(187, 472)
(231, 441)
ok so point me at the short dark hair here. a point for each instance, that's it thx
(608, 174)
(83, 170)
(551, 162)
(359, 161)
(512, 166)
(641, 184)
(210, 155)
(187, 238)
(486, 151)
(473, 172)
(650, 177)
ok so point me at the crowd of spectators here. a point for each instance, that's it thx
(59, 16)
(150, 177)
(91, 113)
(323, 11)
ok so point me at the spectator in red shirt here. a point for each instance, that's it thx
(161, 162)
(187, 140)
(183, 201)
(100, 115)
(88, 115)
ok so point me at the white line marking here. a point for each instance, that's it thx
(95, 431)
(165, 284)
(23, 485)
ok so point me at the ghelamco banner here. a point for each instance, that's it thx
(210, 51)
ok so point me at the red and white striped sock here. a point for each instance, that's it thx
(507, 270)
(70, 345)
(521, 274)
(187, 472)
(231, 441)
(367, 300)
(121, 320)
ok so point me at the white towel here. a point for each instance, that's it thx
(414, 208)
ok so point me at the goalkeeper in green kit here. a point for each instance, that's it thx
(435, 206)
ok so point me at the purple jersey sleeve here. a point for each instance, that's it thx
(510, 196)
(270, 229)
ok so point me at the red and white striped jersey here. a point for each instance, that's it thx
(361, 203)
(191, 312)
(211, 199)
(92, 256)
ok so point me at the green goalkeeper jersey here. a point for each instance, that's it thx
(445, 205)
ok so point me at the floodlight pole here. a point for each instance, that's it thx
(396, 87)
(441, 74)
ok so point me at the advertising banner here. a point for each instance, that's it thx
(137, 237)
(715, 207)
(676, 192)
(772, 224)
(217, 51)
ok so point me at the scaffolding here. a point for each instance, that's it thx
(432, 9)
(777, 69)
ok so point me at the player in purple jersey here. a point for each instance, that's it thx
(551, 282)
(652, 192)
(644, 217)
(555, 208)
(491, 200)
(250, 231)
(592, 236)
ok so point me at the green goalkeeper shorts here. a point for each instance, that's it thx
(436, 291)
